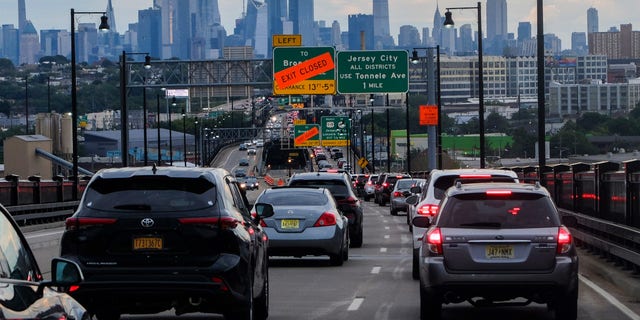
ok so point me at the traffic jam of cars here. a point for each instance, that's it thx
(149, 239)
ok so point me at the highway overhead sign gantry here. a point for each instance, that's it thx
(304, 70)
(377, 71)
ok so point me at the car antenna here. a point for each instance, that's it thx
(154, 169)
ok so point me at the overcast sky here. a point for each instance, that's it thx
(560, 16)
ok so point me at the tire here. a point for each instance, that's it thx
(567, 306)
(242, 313)
(337, 259)
(261, 303)
(430, 305)
(393, 212)
(415, 265)
(367, 198)
(345, 252)
(356, 238)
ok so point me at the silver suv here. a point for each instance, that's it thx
(493, 243)
(428, 199)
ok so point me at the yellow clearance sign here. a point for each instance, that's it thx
(286, 40)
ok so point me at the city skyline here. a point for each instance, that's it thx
(562, 17)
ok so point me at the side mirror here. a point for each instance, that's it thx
(570, 221)
(415, 189)
(65, 272)
(264, 210)
(421, 221)
(412, 200)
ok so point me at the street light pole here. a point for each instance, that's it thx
(448, 22)
(184, 136)
(123, 104)
(158, 126)
(74, 97)
(144, 122)
(173, 104)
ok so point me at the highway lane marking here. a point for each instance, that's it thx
(355, 304)
(42, 234)
(383, 249)
(386, 236)
(375, 270)
(387, 228)
(615, 302)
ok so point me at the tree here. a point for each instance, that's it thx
(592, 122)
(6, 67)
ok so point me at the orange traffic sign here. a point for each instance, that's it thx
(304, 70)
(286, 40)
(428, 115)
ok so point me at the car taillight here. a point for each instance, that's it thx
(475, 176)
(326, 219)
(397, 194)
(262, 223)
(384, 185)
(433, 240)
(82, 223)
(369, 183)
(428, 210)
(222, 222)
(219, 281)
(564, 240)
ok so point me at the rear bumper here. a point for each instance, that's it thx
(538, 286)
(312, 241)
(152, 289)
(399, 204)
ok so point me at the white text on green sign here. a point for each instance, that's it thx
(373, 71)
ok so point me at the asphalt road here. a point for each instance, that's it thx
(375, 283)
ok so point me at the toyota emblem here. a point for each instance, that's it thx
(147, 222)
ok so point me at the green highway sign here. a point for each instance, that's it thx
(334, 131)
(293, 64)
(306, 135)
(383, 71)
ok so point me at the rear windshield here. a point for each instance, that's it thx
(520, 210)
(294, 198)
(445, 182)
(158, 194)
(337, 187)
(405, 184)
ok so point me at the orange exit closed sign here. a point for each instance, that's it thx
(428, 115)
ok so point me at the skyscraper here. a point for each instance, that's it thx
(22, 15)
(592, 20)
(111, 18)
(381, 32)
(360, 24)
(208, 34)
(302, 16)
(149, 32)
(524, 31)
(496, 26)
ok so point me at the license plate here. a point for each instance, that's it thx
(499, 251)
(147, 243)
(290, 224)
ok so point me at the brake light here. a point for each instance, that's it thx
(222, 222)
(83, 223)
(74, 288)
(498, 192)
(369, 183)
(397, 194)
(564, 240)
(262, 223)
(325, 220)
(384, 185)
(219, 281)
(433, 241)
(475, 176)
(428, 210)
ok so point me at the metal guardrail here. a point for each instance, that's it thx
(32, 214)
(615, 242)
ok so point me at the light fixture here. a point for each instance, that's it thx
(104, 25)
(448, 20)
(414, 57)
(147, 62)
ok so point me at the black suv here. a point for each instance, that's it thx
(385, 184)
(340, 186)
(150, 239)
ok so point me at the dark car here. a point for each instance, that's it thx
(499, 244)
(24, 294)
(150, 239)
(306, 221)
(340, 186)
(385, 184)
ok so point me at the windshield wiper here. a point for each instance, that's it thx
(496, 225)
(138, 207)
